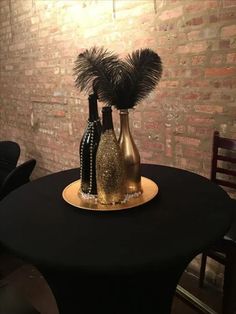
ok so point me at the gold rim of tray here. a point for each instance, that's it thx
(72, 196)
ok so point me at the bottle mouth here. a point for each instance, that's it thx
(124, 111)
(106, 109)
(93, 96)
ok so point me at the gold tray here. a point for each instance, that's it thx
(71, 195)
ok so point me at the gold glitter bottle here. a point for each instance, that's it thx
(130, 154)
(109, 164)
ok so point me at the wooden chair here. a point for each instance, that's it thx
(223, 172)
(17, 177)
(9, 155)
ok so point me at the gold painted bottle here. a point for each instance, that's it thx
(109, 163)
(130, 154)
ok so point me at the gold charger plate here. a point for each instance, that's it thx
(71, 195)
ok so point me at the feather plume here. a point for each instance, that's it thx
(118, 83)
(98, 70)
(141, 72)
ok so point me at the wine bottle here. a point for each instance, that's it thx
(88, 149)
(109, 163)
(130, 154)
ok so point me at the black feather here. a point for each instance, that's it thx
(142, 72)
(118, 83)
(98, 70)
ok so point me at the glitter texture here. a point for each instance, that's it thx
(109, 170)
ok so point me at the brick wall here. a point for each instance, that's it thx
(41, 109)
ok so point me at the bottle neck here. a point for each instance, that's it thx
(107, 123)
(124, 121)
(93, 108)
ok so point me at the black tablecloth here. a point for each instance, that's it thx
(188, 214)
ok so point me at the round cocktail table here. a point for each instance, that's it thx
(126, 261)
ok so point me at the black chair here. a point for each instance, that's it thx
(223, 172)
(12, 301)
(17, 177)
(9, 155)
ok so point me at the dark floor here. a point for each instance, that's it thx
(208, 295)
(27, 279)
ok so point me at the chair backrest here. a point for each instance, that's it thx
(9, 155)
(13, 301)
(17, 177)
(224, 161)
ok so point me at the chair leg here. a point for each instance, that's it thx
(229, 289)
(202, 270)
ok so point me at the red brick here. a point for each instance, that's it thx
(193, 47)
(184, 60)
(197, 120)
(187, 140)
(192, 152)
(211, 4)
(215, 72)
(228, 31)
(216, 59)
(166, 26)
(180, 129)
(195, 21)
(146, 156)
(199, 47)
(191, 96)
(171, 14)
(197, 60)
(150, 145)
(194, 35)
(198, 6)
(41, 64)
(208, 108)
(194, 7)
(229, 83)
(152, 116)
(28, 72)
(213, 18)
(151, 125)
(231, 57)
(195, 83)
(229, 3)
(227, 16)
(224, 44)
(199, 131)
(183, 49)
(170, 84)
(59, 114)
